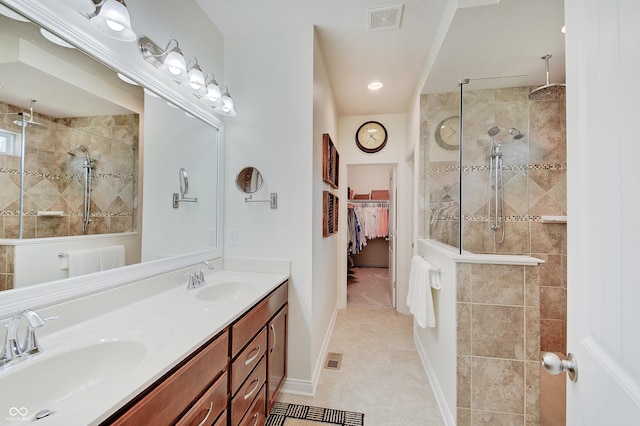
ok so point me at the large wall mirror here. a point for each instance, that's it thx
(85, 117)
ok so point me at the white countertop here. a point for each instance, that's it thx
(160, 322)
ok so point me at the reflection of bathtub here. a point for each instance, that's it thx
(36, 260)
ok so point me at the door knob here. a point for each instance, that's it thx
(554, 365)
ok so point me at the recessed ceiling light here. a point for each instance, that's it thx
(376, 85)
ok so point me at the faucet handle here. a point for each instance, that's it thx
(34, 320)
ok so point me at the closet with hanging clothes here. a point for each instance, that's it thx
(368, 232)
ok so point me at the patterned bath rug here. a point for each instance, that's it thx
(285, 414)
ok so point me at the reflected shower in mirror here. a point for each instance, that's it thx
(44, 193)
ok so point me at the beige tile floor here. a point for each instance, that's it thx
(381, 374)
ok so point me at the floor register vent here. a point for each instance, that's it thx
(333, 361)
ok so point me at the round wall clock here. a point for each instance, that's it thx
(371, 137)
(447, 133)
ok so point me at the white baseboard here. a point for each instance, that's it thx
(308, 387)
(447, 416)
(298, 387)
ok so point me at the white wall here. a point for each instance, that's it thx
(325, 257)
(177, 141)
(364, 178)
(273, 131)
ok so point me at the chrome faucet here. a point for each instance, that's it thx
(13, 350)
(196, 279)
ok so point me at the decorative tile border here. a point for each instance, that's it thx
(479, 168)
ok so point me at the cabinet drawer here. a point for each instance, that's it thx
(209, 406)
(222, 420)
(164, 403)
(243, 330)
(247, 359)
(256, 414)
(248, 392)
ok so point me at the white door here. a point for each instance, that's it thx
(603, 130)
(393, 227)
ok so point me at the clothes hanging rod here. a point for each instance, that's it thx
(369, 201)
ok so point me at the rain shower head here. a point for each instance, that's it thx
(494, 130)
(549, 90)
(29, 122)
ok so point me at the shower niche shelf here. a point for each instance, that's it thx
(553, 219)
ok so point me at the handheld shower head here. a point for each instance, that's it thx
(82, 149)
(493, 131)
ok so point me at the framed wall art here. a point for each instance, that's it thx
(330, 161)
(329, 214)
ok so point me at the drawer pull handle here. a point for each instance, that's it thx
(208, 414)
(257, 417)
(250, 360)
(273, 330)
(255, 388)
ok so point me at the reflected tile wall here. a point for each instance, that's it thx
(54, 180)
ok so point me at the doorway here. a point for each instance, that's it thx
(369, 253)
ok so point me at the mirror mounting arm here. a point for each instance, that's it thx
(177, 199)
(273, 200)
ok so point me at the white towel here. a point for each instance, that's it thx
(419, 298)
(83, 262)
(111, 257)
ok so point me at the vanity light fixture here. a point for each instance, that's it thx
(169, 60)
(82, 6)
(127, 79)
(227, 107)
(55, 39)
(112, 18)
(9, 13)
(196, 78)
(213, 97)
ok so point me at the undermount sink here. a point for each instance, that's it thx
(225, 291)
(50, 383)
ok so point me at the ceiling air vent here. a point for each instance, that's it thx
(383, 18)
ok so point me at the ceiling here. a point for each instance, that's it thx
(64, 82)
(438, 43)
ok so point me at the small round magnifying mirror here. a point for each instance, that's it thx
(249, 180)
(184, 182)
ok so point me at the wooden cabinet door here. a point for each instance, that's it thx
(276, 355)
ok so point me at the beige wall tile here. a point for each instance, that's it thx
(463, 388)
(498, 385)
(494, 284)
(532, 393)
(463, 314)
(498, 331)
(532, 340)
(483, 418)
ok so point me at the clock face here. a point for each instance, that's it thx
(447, 133)
(371, 137)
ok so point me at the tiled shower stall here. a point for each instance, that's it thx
(53, 179)
(530, 300)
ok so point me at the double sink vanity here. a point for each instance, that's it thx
(155, 352)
